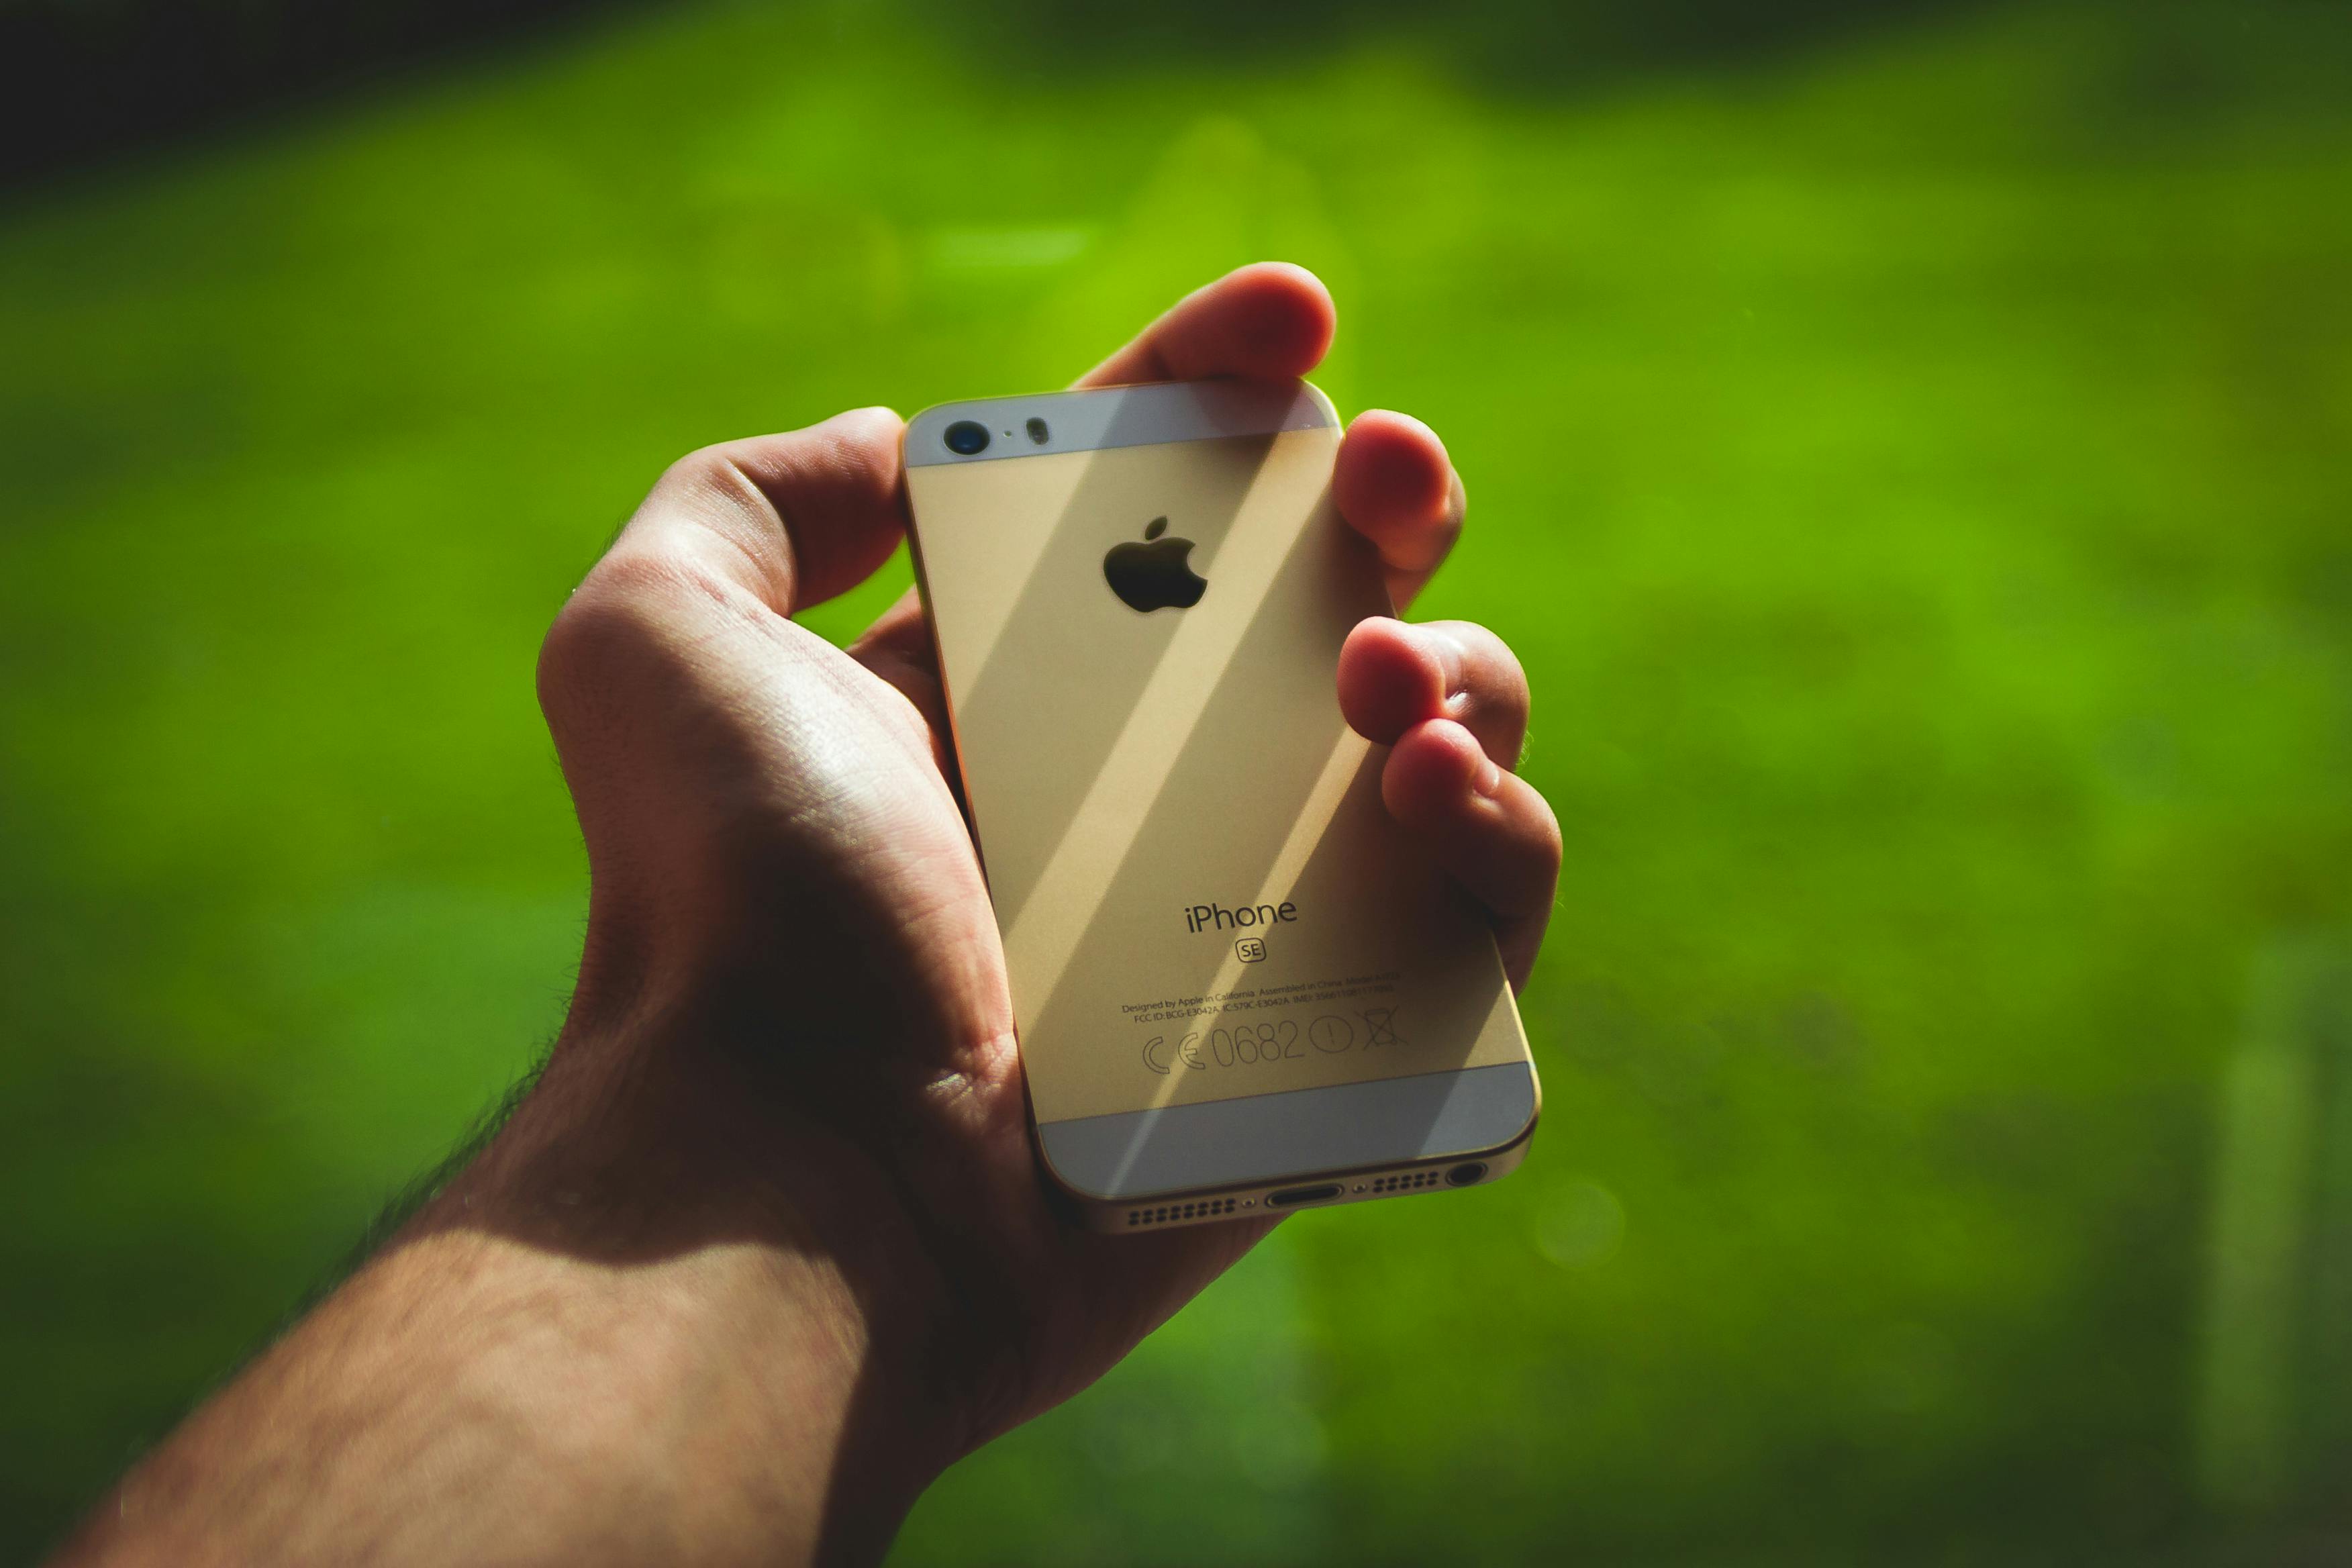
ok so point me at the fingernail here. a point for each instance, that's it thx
(1488, 780)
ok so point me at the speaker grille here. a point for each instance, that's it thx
(1213, 1209)
(1203, 1208)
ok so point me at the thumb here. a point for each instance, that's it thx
(795, 518)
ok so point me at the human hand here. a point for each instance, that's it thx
(773, 833)
(766, 1245)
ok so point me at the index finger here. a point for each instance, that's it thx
(1269, 320)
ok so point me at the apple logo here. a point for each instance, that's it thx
(1154, 575)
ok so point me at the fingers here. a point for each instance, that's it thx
(1270, 320)
(897, 647)
(900, 632)
(796, 518)
(1395, 674)
(1393, 481)
(1395, 485)
(1450, 701)
(1487, 826)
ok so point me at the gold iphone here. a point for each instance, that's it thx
(1239, 985)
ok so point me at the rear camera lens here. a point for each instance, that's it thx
(1465, 1175)
(967, 438)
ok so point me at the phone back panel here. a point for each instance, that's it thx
(1200, 894)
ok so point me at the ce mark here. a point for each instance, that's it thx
(1157, 1055)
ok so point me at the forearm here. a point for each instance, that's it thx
(603, 1343)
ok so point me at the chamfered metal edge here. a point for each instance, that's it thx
(1096, 418)
(1367, 1185)
(1290, 1137)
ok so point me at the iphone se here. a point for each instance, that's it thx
(1239, 985)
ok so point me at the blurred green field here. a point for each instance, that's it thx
(1916, 472)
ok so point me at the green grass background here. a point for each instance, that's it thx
(1916, 470)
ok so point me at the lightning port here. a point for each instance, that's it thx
(1291, 1197)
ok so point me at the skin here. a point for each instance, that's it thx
(764, 1248)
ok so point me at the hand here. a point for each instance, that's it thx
(773, 826)
(776, 1178)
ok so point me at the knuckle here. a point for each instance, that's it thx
(1501, 697)
(712, 477)
(1550, 843)
(1511, 694)
(1508, 670)
(626, 620)
(1502, 679)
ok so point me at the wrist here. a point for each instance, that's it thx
(739, 1271)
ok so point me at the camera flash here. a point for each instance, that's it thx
(1037, 432)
